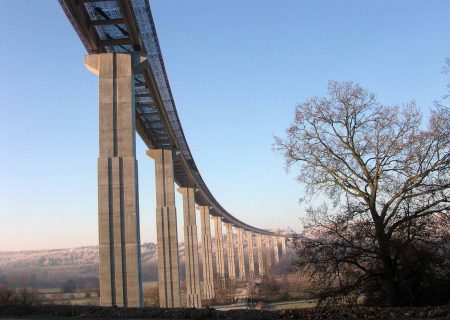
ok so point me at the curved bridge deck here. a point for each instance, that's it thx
(127, 26)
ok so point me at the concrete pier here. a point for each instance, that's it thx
(230, 252)
(118, 207)
(259, 250)
(193, 294)
(283, 245)
(220, 263)
(251, 261)
(241, 255)
(166, 227)
(275, 250)
(207, 260)
(268, 254)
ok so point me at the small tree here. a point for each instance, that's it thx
(5, 294)
(58, 298)
(225, 290)
(388, 181)
(269, 289)
(24, 295)
(151, 297)
(69, 286)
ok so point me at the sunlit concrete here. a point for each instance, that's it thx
(166, 229)
(193, 293)
(118, 208)
(259, 251)
(220, 263)
(241, 255)
(230, 251)
(207, 259)
(276, 254)
(267, 254)
(251, 260)
(283, 245)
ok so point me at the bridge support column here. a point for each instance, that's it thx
(259, 250)
(241, 255)
(251, 262)
(283, 245)
(230, 252)
(275, 250)
(268, 257)
(208, 276)
(193, 294)
(166, 227)
(118, 207)
(220, 263)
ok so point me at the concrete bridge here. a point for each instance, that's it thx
(135, 96)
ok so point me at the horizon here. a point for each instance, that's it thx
(92, 245)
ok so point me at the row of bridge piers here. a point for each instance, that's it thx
(118, 209)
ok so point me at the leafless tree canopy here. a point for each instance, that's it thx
(389, 178)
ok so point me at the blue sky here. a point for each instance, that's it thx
(237, 70)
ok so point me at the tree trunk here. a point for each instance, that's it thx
(390, 285)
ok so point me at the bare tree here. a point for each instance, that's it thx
(224, 290)
(389, 181)
(151, 297)
(24, 295)
(270, 290)
(69, 286)
(446, 70)
(5, 294)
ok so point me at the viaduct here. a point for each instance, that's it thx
(135, 96)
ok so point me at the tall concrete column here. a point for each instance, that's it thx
(268, 257)
(275, 249)
(230, 252)
(220, 263)
(259, 250)
(118, 206)
(166, 229)
(208, 276)
(193, 294)
(283, 245)
(241, 255)
(251, 262)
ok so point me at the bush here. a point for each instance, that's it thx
(69, 286)
(5, 294)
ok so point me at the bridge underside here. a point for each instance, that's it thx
(135, 96)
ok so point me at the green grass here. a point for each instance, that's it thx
(284, 305)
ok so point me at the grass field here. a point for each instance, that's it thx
(296, 288)
(284, 305)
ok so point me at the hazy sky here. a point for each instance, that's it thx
(237, 69)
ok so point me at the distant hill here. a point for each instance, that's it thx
(82, 256)
(49, 268)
